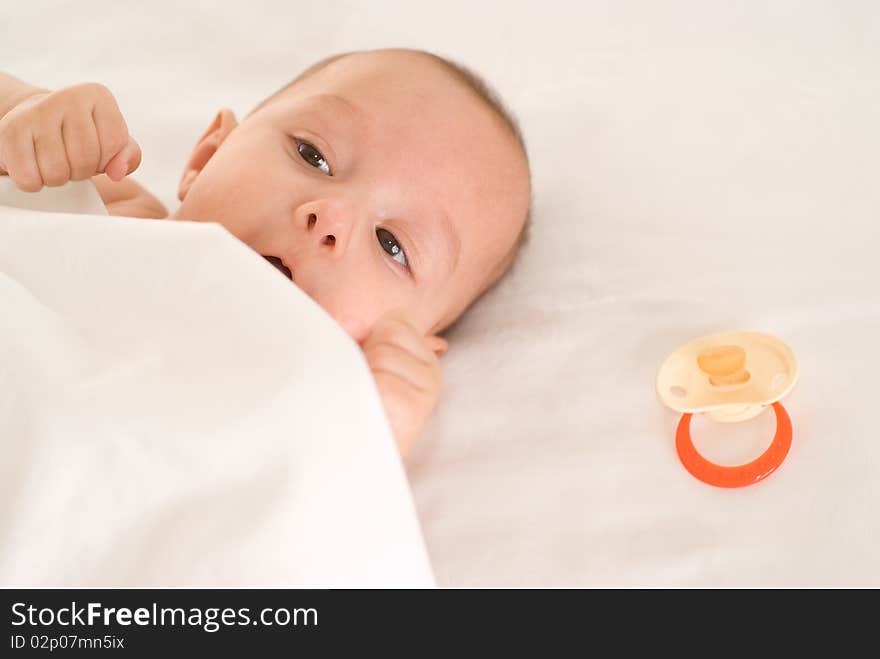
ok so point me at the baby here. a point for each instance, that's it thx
(391, 186)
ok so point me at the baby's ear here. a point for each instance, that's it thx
(223, 124)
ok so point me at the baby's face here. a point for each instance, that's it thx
(381, 182)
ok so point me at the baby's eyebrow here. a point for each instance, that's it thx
(340, 103)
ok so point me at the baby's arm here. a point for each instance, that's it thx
(127, 198)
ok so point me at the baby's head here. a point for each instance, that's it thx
(380, 180)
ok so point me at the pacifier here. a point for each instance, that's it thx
(730, 377)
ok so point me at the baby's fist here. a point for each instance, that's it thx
(406, 368)
(74, 133)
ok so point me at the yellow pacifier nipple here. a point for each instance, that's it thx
(725, 365)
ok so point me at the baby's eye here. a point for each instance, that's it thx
(389, 244)
(313, 157)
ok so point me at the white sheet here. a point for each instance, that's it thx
(698, 167)
(176, 413)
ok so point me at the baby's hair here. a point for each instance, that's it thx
(491, 98)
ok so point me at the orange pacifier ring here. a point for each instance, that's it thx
(740, 475)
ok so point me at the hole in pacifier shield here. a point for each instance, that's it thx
(732, 444)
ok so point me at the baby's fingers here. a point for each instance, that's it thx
(82, 146)
(124, 162)
(51, 157)
(395, 329)
(19, 160)
(116, 144)
(438, 344)
(398, 362)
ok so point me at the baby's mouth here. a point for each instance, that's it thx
(278, 263)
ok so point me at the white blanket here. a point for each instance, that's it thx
(175, 413)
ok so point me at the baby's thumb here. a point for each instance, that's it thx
(124, 162)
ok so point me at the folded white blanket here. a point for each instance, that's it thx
(176, 413)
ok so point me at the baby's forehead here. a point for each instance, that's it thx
(397, 68)
(398, 86)
(395, 85)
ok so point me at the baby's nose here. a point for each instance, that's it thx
(328, 239)
(329, 231)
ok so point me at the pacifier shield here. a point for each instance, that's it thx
(730, 376)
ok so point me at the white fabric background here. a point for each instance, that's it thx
(698, 167)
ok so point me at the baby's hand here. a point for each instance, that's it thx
(407, 372)
(74, 133)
